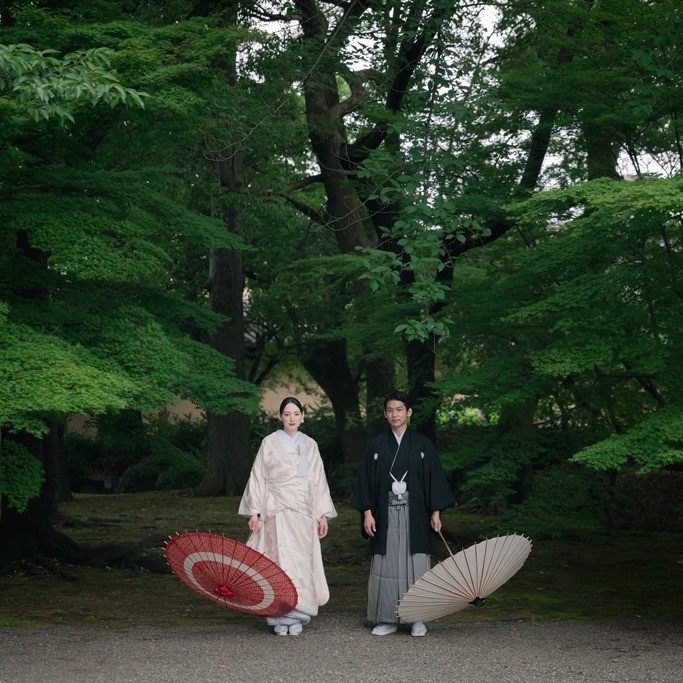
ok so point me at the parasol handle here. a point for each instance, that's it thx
(253, 533)
(446, 544)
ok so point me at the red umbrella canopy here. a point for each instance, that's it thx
(231, 574)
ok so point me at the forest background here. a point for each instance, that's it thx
(478, 202)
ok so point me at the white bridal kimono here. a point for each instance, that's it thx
(288, 489)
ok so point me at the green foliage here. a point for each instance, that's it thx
(584, 327)
(656, 442)
(47, 86)
(185, 434)
(83, 455)
(568, 324)
(42, 374)
(115, 226)
(342, 480)
(162, 471)
(565, 501)
(464, 416)
(411, 269)
(111, 333)
(598, 79)
(21, 475)
(148, 455)
(489, 467)
(629, 102)
(100, 224)
(568, 500)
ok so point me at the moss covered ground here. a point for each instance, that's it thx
(624, 576)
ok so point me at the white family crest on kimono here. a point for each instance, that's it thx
(288, 489)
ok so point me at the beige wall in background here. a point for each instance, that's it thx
(273, 397)
(270, 403)
(83, 424)
(183, 410)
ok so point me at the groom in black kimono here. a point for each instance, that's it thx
(400, 492)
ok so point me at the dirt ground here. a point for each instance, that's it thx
(339, 647)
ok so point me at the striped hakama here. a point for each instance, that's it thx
(391, 575)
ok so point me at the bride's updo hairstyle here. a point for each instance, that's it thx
(287, 401)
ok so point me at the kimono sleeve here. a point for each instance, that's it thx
(362, 497)
(322, 500)
(439, 494)
(253, 499)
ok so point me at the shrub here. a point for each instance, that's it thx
(491, 469)
(148, 455)
(21, 475)
(342, 480)
(650, 502)
(190, 436)
(167, 469)
(565, 500)
(83, 455)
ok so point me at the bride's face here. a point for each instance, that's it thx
(291, 418)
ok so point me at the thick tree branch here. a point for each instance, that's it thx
(409, 56)
(310, 180)
(359, 94)
(252, 9)
(538, 149)
(305, 182)
(304, 208)
(337, 3)
(352, 10)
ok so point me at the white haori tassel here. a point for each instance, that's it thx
(399, 487)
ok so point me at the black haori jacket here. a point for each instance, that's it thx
(427, 486)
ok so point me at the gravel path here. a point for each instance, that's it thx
(338, 647)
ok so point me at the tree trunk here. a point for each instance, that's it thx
(56, 473)
(380, 379)
(421, 359)
(61, 466)
(23, 535)
(601, 160)
(229, 448)
(30, 534)
(351, 214)
(327, 364)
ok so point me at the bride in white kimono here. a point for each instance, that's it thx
(288, 503)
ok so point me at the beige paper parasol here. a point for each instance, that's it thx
(464, 579)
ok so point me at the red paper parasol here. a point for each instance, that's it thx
(231, 574)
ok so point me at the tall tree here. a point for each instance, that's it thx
(91, 321)
(229, 452)
(404, 34)
(590, 283)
